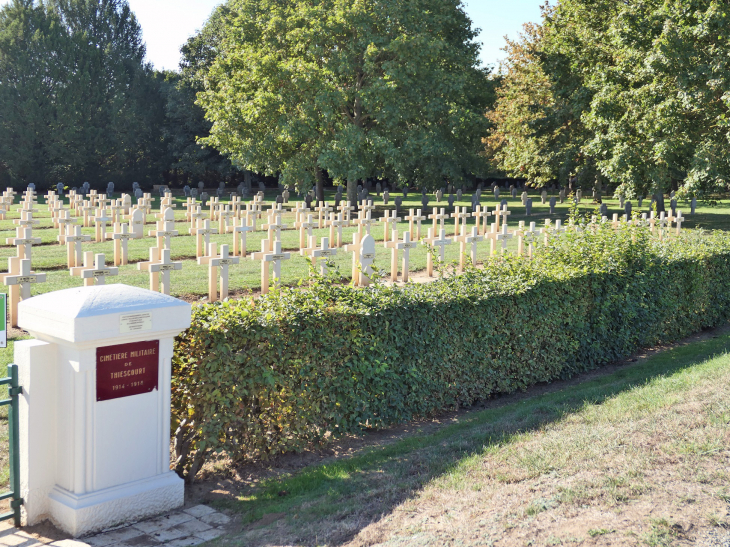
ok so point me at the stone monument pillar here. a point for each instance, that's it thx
(95, 408)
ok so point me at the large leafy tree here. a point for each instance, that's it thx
(359, 88)
(538, 130)
(77, 99)
(659, 114)
(634, 92)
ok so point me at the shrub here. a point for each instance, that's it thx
(253, 378)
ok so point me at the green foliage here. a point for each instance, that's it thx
(77, 100)
(253, 378)
(359, 89)
(637, 92)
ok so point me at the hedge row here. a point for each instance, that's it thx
(252, 378)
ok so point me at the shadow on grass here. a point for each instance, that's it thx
(330, 504)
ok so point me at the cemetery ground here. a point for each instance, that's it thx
(635, 452)
(632, 454)
(191, 283)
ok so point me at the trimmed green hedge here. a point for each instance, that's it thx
(253, 378)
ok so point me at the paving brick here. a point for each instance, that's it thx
(192, 527)
(185, 542)
(114, 537)
(12, 539)
(168, 534)
(212, 533)
(199, 510)
(162, 523)
(216, 519)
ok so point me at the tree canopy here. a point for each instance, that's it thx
(363, 88)
(636, 92)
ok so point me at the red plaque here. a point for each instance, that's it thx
(126, 369)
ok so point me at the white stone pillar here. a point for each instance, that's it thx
(95, 408)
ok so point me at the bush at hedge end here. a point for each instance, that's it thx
(253, 378)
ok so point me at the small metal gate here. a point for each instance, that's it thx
(14, 390)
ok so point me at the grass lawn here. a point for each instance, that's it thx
(637, 456)
(192, 279)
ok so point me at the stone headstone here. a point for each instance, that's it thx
(398, 202)
(200, 186)
(262, 186)
(451, 200)
(285, 195)
(503, 204)
(673, 206)
(424, 201)
(513, 192)
(193, 193)
(386, 197)
(359, 188)
(496, 192)
(405, 192)
(186, 191)
(693, 206)
(378, 188)
(220, 192)
(458, 195)
(579, 195)
(528, 207)
(308, 199)
(640, 200)
(621, 201)
(552, 202)
(523, 197)
(204, 198)
(562, 195)
(138, 193)
(59, 188)
(280, 199)
(627, 209)
(338, 199)
(604, 210)
(439, 195)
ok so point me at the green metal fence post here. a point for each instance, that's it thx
(14, 391)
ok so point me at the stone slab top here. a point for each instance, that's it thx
(87, 314)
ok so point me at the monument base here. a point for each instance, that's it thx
(83, 514)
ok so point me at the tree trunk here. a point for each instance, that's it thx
(352, 191)
(320, 183)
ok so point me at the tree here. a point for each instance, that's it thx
(538, 131)
(78, 101)
(363, 88)
(659, 116)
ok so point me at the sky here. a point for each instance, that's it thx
(167, 24)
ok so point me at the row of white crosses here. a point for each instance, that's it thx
(233, 218)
